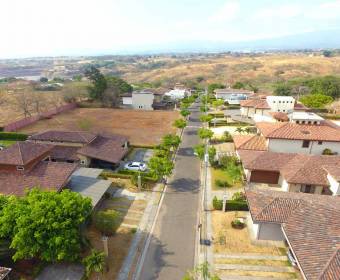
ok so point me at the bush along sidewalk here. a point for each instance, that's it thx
(238, 203)
(13, 136)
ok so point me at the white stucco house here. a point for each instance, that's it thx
(292, 172)
(308, 223)
(261, 109)
(232, 96)
(139, 100)
(289, 137)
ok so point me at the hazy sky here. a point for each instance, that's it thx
(58, 27)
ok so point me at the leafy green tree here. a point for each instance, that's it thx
(160, 166)
(200, 151)
(77, 78)
(316, 100)
(170, 141)
(43, 80)
(45, 224)
(327, 53)
(205, 133)
(283, 89)
(203, 109)
(185, 113)
(212, 154)
(99, 83)
(247, 130)
(328, 85)
(107, 222)
(214, 86)
(95, 262)
(239, 85)
(217, 103)
(119, 83)
(206, 118)
(180, 123)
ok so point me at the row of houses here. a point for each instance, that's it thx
(292, 170)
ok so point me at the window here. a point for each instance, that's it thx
(319, 142)
(283, 110)
(308, 189)
(305, 144)
(20, 168)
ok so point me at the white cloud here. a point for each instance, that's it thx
(278, 12)
(228, 12)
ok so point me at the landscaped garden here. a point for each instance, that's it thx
(226, 173)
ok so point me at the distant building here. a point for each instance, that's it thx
(233, 96)
(139, 100)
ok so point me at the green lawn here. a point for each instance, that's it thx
(7, 143)
(231, 174)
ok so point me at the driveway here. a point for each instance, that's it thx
(172, 249)
(62, 272)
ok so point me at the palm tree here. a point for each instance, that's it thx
(95, 262)
(247, 130)
(239, 130)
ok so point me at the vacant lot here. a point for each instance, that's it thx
(141, 127)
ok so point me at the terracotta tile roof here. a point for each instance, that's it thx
(262, 160)
(311, 224)
(250, 142)
(4, 271)
(334, 171)
(332, 270)
(106, 149)
(280, 116)
(294, 168)
(294, 131)
(46, 175)
(22, 153)
(255, 103)
(64, 136)
(64, 153)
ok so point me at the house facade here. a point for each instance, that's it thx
(261, 108)
(309, 224)
(290, 137)
(139, 100)
(291, 172)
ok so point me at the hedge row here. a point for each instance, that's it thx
(231, 205)
(13, 136)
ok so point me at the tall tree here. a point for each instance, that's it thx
(99, 83)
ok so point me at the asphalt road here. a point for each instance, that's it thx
(172, 249)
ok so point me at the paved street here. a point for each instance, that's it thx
(172, 249)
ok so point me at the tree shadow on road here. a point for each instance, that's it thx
(184, 185)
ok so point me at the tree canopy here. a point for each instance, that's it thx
(44, 224)
(214, 86)
(205, 133)
(180, 123)
(316, 100)
(99, 83)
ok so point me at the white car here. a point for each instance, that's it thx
(135, 166)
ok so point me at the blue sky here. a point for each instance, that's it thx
(46, 27)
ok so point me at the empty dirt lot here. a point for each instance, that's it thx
(141, 127)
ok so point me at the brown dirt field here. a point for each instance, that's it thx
(141, 127)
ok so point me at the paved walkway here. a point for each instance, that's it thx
(263, 268)
(172, 249)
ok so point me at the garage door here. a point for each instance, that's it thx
(268, 177)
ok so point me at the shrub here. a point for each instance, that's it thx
(239, 196)
(222, 184)
(107, 222)
(234, 205)
(327, 152)
(237, 224)
(217, 203)
(227, 137)
(13, 136)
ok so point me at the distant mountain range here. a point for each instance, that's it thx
(325, 39)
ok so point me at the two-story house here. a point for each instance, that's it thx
(308, 138)
(233, 96)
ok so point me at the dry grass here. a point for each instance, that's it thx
(252, 262)
(123, 183)
(141, 127)
(282, 275)
(260, 69)
(236, 240)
